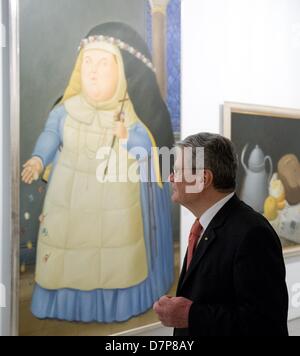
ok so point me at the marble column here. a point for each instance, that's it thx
(159, 10)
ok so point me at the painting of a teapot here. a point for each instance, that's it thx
(255, 187)
(267, 143)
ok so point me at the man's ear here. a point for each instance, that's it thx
(208, 178)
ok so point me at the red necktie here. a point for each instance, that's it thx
(193, 240)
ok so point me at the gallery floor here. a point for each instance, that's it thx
(30, 326)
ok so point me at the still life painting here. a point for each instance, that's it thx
(268, 147)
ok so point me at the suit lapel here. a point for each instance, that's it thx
(208, 239)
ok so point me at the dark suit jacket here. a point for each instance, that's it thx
(236, 279)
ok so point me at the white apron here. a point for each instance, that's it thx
(92, 234)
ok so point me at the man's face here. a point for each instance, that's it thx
(187, 185)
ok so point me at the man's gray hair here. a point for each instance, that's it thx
(220, 157)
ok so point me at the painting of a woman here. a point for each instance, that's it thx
(104, 247)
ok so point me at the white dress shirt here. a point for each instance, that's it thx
(207, 217)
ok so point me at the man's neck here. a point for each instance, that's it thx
(208, 200)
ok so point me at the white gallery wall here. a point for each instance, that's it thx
(244, 51)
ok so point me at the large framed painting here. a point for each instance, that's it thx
(267, 142)
(91, 81)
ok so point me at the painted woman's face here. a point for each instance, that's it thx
(99, 75)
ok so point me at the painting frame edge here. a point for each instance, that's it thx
(235, 107)
(14, 107)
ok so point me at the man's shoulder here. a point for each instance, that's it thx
(244, 220)
(245, 214)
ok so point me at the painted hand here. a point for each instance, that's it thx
(173, 312)
(32, 170)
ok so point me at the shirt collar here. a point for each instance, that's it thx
(208, 216)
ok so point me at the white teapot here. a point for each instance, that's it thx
(255, 188)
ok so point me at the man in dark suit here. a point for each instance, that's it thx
(233, 278)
